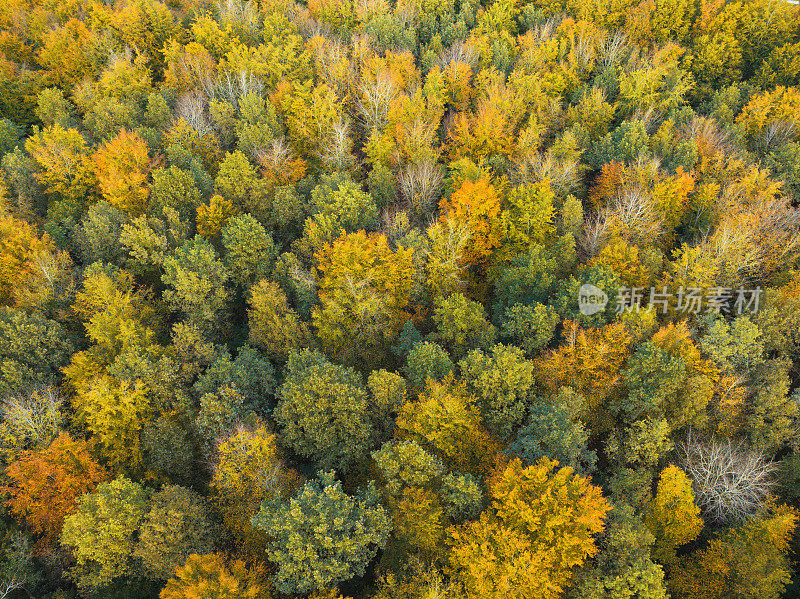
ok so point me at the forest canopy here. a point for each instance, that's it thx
(411, 299)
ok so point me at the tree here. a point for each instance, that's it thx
(461, 324)
(748, 561)
(99, 234)
(530, 327)
(478, 205)
(175, 188)
(44, 484)
(115, 412)
(32, 351)
(364, 289)
(209, 576)
(274, 326)
(502, 381)
(323, 411)
(446, 418)
(33, 273)
(31, 419)
(731, 482)
(178, 525)
(103, 532)
(122, 167)
(249, 251)
(590, 362)
(427, 360)
(672, 516)
(197, 280)
(64, 162)
(529, 217)
(323, 536)
(553, 428)
(623, 568)
(250, 469)
(17, 570)
(538, 529)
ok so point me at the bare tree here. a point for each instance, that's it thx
(421, 185)
(731, 481)
(35, 416)
(596, 233)
(191, 107)
(376, 98)
(565, 174)
(336, 148)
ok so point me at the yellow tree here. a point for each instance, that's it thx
(364, 290)
(122, 166)
(32, 271)
(447, 418)
(273, 324)
(672, 516)
(537, 530)
(62, 156)
(477, 204)
(590, 362)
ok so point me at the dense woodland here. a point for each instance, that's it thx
(292, 299)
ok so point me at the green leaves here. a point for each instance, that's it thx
(323, 536)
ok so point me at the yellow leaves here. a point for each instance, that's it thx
(122, 166)
(478, 205)
(207, 576)
(32, 271)
(62, 156)
(212, 217)
(448, 418)
(115, 412)
(538, 528)
(672, 516)
(419, 519)
(778, 107)
(671, 197)
(273, 324)
(250, 469)
(364, 288)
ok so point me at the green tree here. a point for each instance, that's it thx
(102, 532)
(502, 381)
(197, 283)
(249, 251)
(32, 350)
(461, 324)
(624, 569)
(176, 526)
(427, 360)
(323, 411)
(553, 429)
(530, 327)
(323, 536)
(274, 325)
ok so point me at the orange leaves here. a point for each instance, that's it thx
(607, 184)
(478, 205)
(45, 484)
(590, 363)
(122, 166)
